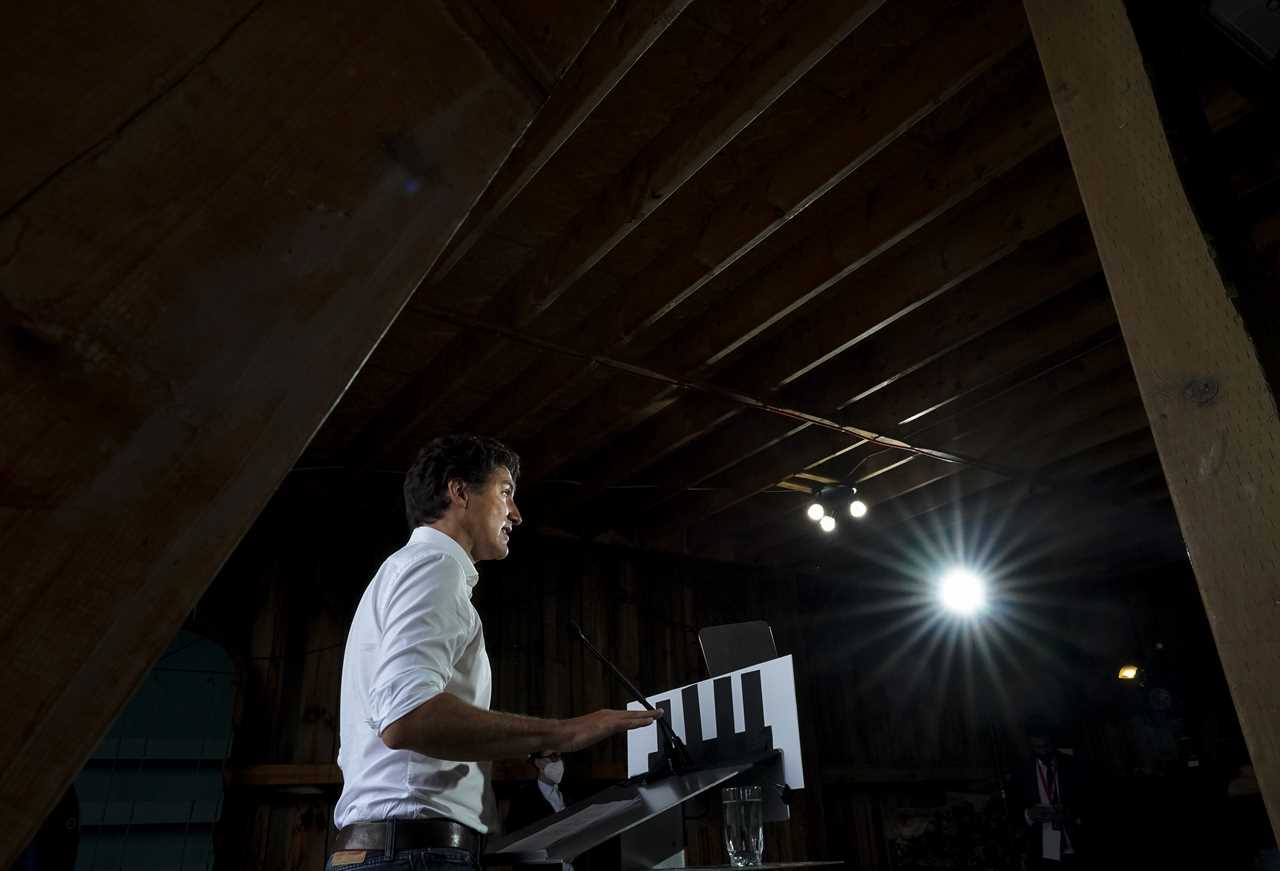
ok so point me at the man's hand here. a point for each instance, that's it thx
(581, 732)
(1040, 814)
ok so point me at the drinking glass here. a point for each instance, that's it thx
(743, 824)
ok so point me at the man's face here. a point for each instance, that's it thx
(1042, 747)
(491, 514)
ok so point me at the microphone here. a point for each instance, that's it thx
(676, 752)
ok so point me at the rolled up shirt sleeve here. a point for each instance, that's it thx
(425, 625)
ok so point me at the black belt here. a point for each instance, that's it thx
(392, 835)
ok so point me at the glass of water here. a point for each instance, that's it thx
(743, 824)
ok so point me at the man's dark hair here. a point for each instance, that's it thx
(469, 458)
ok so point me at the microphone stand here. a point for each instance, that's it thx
(674, 750)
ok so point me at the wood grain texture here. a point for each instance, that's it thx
(1212, 411)
(184, 303)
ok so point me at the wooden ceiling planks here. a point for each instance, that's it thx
(917, 276)
(870, 137)
(973, 365)
(583, 72)
(865, 246)
(759, 75)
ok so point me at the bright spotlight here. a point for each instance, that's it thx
(962, 591)
(857, 508)
(1128, 672)
(828, 523)
(816, 511)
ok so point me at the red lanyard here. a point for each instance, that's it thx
(1050, 787)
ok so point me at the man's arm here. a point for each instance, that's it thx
(445, 727)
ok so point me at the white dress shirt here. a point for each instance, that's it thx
(1054, 843)
(415, 634)
(551, 792)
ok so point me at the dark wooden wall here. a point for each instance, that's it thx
(901, 713)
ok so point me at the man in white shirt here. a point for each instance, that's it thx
(416, 682)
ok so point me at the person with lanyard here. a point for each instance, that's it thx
(415, 724)
(1052, 802)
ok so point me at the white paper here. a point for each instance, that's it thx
(576, 822)
(777, 685)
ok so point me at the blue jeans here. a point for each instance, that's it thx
(427, 859)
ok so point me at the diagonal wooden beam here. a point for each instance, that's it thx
(1213, 412)
(761, 73)
(622, 38)
(181, 309)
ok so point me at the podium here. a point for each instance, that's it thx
(739, 728)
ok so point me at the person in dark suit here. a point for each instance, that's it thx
(1053, 797)
(540, 797)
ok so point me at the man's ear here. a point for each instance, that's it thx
(458, 493)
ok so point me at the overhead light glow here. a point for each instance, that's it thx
(828, 523)
(858, 508)
(962, 591)
(1128, 672)
(816, 511)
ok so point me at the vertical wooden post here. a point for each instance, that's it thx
(1212, 412)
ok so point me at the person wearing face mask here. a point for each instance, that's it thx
(531, 801)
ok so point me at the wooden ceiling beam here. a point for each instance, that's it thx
(1058, 426)
(983, 302)
(184, 302)
(1011, 407)
(1138, 445)
(622, 38)
(1007, 513)
(968, 58)
(817, 184)
(761, 73)
(1068, 321)
(1080, 422)
(976, 305)
(1007, 406)
(1033, 198)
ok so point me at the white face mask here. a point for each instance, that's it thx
(553, 772)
